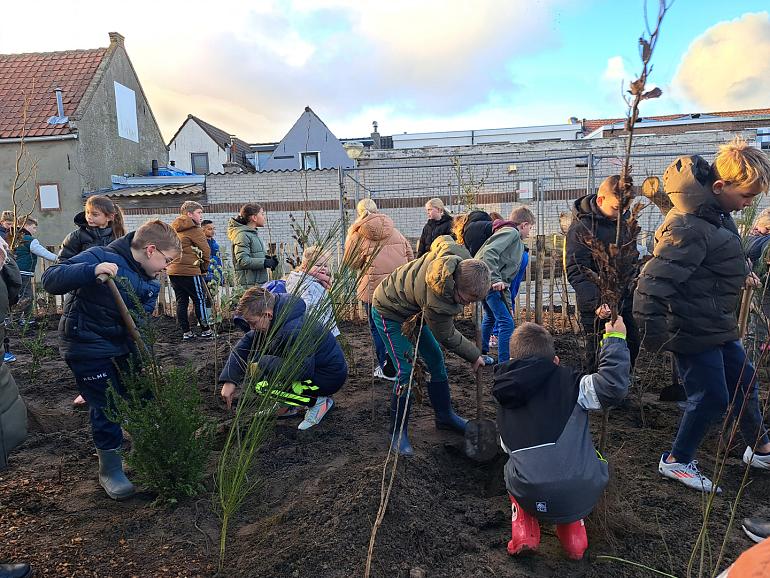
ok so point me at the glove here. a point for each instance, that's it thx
(271, 262)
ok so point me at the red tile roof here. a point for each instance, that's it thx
(590, 125)
(37, 75)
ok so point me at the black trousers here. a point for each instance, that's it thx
(186, 288)
(594, 330)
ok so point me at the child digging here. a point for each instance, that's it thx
(93, 340)
(687, 298)
(325, 368)
(439, 284)
(553, 473)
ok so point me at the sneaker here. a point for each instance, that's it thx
(188, 335)
(380, 373)
(688, 474)
(488, 359)
(315, 414)
(757, 529)
(761, 462)
(79, 401)
(8, 357)
(390, 370)
(208, 334)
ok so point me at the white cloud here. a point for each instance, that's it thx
(728, 66)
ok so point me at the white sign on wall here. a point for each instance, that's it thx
(49, 197)
(125, 108)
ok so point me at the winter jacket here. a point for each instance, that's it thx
(216, 269)
(84, 237)
(314, 295)
(755, 247)
(589, 220)
(13, 413)
(502, 253)
(4, 233)
(477, 229)
(431, 231)
(192, 237)
(553, 470)
(324, 366)
(688, 293)
(91, 326)
(375, 235)
(27, 253)
(427, 284)
(248, 254)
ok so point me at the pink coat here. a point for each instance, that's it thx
(376, 235)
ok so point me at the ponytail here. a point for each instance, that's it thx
(247, 211)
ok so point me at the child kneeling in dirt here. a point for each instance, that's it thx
(321, 374)
(553, 473)
(439, 285)
(92, 337)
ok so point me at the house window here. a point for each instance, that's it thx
(199, 163)
(310, 161)
(49, 197)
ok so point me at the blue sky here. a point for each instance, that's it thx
(250, 67)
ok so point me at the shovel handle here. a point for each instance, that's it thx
(128, 321)
(479, 387)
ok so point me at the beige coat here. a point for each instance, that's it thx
(375, 241)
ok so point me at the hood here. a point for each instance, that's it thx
(80, 219)
(687, 182)
(586, 206)
(444, 219)
(447, 255)
(375, 227)
(122, 247)
(183, 223)
(519, 380)
(293, 304)
(477, 216)
(234, 228)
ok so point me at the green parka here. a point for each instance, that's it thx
(427, 284)
(502, 253)
(248, 254)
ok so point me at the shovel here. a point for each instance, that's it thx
(480, 433)
(128, 321)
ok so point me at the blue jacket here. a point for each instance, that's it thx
(326, 366)
(215, 263)
(91, 326)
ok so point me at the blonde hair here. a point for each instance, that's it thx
(762, 219)
(6, 216)
(436, 203)
(314, 255)
(741, 164)
(365, 207)
(473, 278)
(457, 227)
(522, 214)
(531, 340)
(157, 233)
(254, 301)
(609, 187)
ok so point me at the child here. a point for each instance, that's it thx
(439, 223)
(6, 224)
(439, 284)
(553, 473)
(325, 368)
(687, 298)
(186, 274)
(596, 215)
(98, 226)
(250, 259)
(93, 340)
(314, 277)
(216, 270)
(27, 252)
(502, 253)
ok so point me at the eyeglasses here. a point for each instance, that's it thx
(166, 257)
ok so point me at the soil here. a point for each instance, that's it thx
(320, 489)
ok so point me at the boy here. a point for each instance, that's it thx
(186, 274)
(27, 252)
(553, 473)
(215, 263)
(502, 253)
(687, 298)
(596, 215)
(439, 284)
(92, 338)
(325, 369)
(6, 224)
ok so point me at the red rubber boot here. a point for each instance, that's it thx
(573, 539)
(525, 530)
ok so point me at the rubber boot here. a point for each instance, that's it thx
(446, 418)
(400, 406)
(573, 539)
(111, 475)
(525, 530)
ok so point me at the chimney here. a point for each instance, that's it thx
(376, 139)
(233, 149)
(59, 103)
(231, 168)
(116, 38)
(172, 163)
(154, 168)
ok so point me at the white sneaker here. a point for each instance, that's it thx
(379, 373)
(315, 414)
(755, 460)
(188, 335)
(688, 474)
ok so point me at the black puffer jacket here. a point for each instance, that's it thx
(84, 237)
(477, 229)
(688, 293)
(431, 231)
(588, 220)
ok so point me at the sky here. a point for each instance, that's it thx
(250, 67)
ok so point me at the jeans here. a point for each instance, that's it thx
(93, 377)
(712, 379)
(26, 292)
(496, 312)
(379, 345)
(401, 350)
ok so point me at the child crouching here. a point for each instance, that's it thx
(321, 374)
(553, 473)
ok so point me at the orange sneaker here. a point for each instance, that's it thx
(525, 530)
(573, 539)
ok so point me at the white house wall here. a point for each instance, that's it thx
(193, 139)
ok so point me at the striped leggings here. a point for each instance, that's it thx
(186, 288)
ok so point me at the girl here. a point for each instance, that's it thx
(439, 223)
(314, 277)
(250, 259)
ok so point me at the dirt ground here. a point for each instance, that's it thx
(320, 490)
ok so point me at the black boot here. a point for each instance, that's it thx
(400, 406)
(446, 418)
(15, 570)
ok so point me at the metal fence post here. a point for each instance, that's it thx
(343, 224)
(539, 252)
(590, 183)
